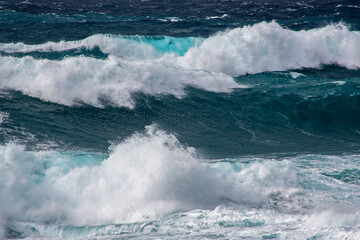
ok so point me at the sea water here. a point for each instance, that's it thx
(180, 119)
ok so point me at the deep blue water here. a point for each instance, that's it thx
(180, 119)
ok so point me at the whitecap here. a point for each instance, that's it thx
(84, 80)
(270, 47)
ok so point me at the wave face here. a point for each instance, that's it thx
(179, 119)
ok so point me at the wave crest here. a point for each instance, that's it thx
(92, 81)
(129, 47)
(270, 47)
(264, 46)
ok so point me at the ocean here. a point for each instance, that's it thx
(178, 119)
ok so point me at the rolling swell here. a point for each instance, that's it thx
(257, 120)
(251, 90)
(167, 65)
(282, 115)
(187, 86)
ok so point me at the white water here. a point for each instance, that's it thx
(270, 47)
(150, 181)
(168, 65)
(146, 176)
(87, 80)
(265, 46)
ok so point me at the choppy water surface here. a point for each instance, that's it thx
(173, 119)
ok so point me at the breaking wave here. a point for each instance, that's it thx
(151, 176)
(167, 65)
(270, 47)
(265, 46)
(145, 177)
(94, 81)
(131, 47)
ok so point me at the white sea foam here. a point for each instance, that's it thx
(265, 46)
(237, 223)
(171, 190)
(340, 83)
(87, 80)
(270, 47)
(217, 17)
(227, 221)
(145, 177)
(296, 74)
(168, 65)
